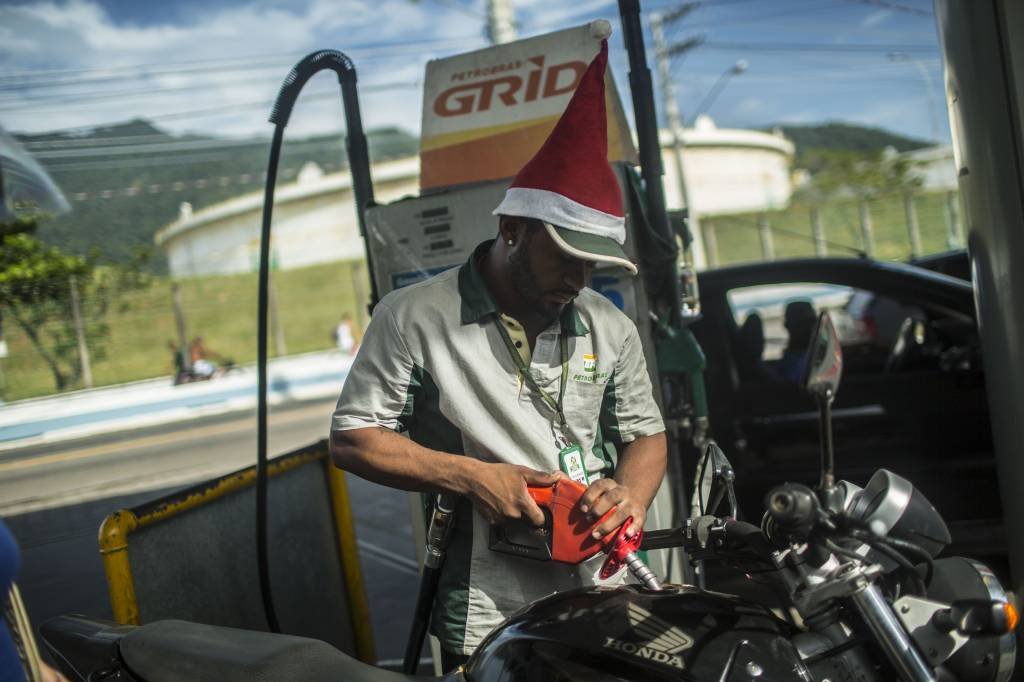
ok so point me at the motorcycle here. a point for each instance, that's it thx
(858, 595)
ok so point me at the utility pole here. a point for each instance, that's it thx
(501, 22)
(675, 119)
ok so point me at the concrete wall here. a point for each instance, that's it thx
(314, 221)
(935, 167)
(729, 171)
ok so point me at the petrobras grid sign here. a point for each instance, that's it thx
(486, 113)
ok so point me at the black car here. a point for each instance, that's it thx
(912, 397)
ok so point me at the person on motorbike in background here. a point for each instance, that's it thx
(508, 372)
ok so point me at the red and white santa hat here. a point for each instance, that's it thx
(569, 185)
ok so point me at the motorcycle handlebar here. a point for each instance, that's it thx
(707, 535)
(794, 510)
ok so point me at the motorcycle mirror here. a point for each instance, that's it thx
(715, 481)
(824, 363)
(824, 367)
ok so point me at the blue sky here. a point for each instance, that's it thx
(210, 67)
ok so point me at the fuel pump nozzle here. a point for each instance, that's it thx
(439, 532)
(566, 535)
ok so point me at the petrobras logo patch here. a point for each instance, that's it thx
(659, 641)
(589, 363)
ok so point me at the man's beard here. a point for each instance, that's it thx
(525, 284)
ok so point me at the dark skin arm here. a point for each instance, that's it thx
(637, 478)
(497, 490)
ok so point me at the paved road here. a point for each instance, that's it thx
(45, 476)
(54, 501)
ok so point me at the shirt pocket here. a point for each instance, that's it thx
(583, 407)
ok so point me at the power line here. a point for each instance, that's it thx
(715, 23)
(376, 149)
(70, 143)
(858, 48)
(216, 64)
(459, 7)
(199, 113)
(72, 98)
(59, 100)
(894, 6)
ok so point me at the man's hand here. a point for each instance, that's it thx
(500, 492)
(605, 493)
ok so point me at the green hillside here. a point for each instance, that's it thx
(124, 182)
(834, 135)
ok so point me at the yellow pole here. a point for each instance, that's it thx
(345, 527)
(114, 548)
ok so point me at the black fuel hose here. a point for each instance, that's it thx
(359, 163)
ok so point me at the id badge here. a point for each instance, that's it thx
(570, 460)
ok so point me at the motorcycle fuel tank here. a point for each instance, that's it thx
(629, 633)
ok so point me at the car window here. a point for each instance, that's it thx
(774, 323)
(769, 302)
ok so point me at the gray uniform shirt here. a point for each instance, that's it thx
(434, 366)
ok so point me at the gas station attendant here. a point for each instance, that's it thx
(507, 372)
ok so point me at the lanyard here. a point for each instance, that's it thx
(524, 371)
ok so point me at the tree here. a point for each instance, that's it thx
(864, 175)
(35, 293)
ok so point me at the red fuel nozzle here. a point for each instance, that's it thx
(571, 539)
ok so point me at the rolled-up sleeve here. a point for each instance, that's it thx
(629, 410)
(376, 390)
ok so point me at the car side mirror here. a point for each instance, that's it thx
(715, 481)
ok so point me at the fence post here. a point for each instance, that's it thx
(280, 349)
(359, 290)
(707, 226)
(954, 235)
(767, 244)
(820, 247)
(179, 323)
(867, 230)
(83, 349)
(912, 227)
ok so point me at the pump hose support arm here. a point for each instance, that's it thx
(359, 163)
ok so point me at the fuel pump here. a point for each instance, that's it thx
(359, 161)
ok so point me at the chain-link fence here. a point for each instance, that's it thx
(889, 227)
(100, 336)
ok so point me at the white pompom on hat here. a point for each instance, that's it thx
(569, 185)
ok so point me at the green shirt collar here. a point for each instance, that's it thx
(477, 302)
(476, 299)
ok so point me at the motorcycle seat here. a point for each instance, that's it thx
(174, 651)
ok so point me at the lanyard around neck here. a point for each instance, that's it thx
(524, 370)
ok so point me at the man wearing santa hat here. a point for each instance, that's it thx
(508, 372)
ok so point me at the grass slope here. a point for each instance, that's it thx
(220, 309)
(738, 238)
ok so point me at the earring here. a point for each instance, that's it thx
(510, 242)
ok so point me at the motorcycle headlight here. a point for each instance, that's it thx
(891, 506)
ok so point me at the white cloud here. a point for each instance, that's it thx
(875, 18)
(81, 35)
(750, 106)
